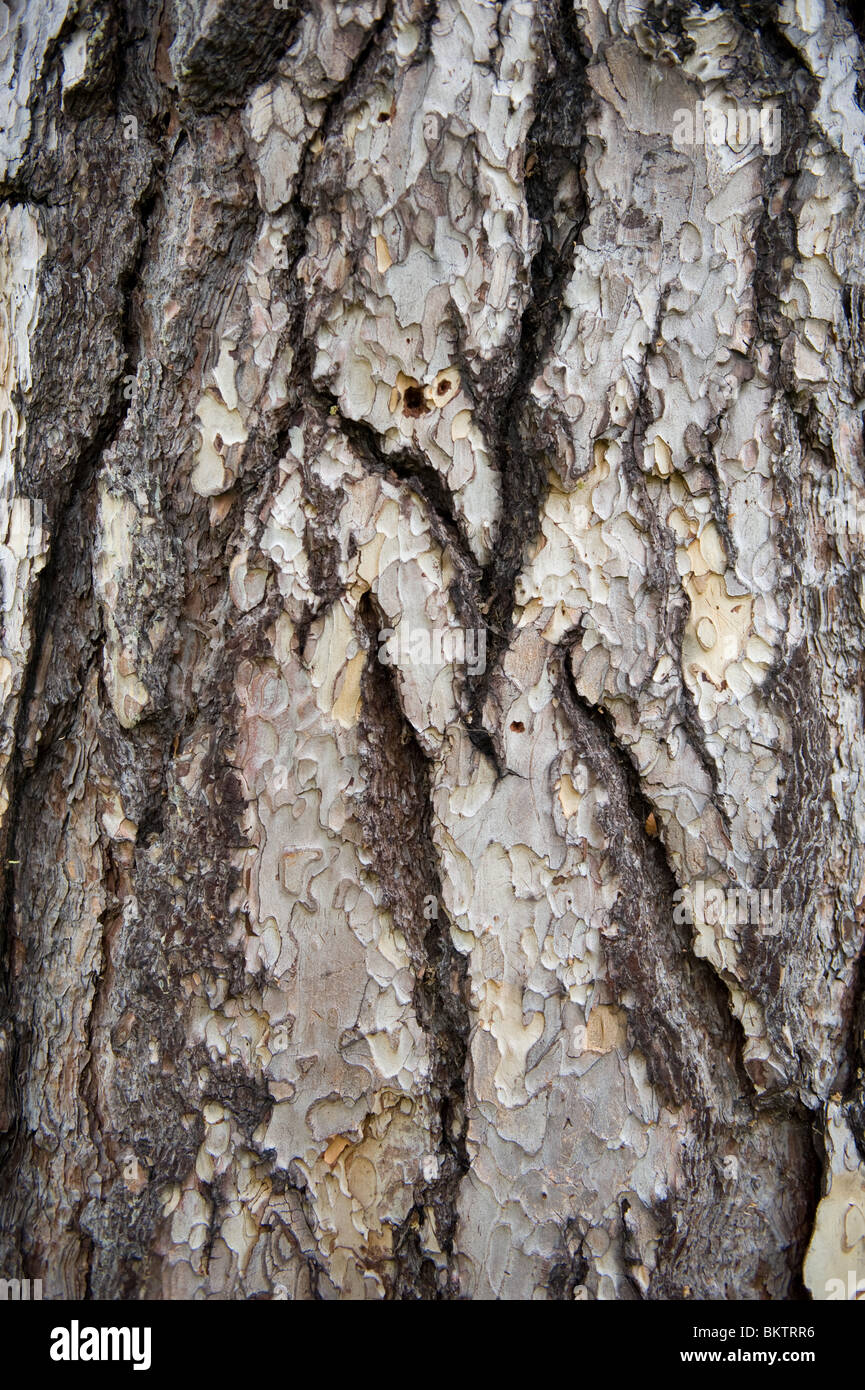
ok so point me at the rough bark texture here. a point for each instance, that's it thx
(337, 970)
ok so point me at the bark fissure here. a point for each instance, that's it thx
(395, 814)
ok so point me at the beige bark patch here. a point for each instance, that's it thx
(835, 1263)
(606, 1029)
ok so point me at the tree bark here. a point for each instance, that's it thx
(433, 774)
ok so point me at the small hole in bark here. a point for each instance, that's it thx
(443, 386)
(413, 402)
(518, 727)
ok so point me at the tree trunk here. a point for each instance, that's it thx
(433, 773)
